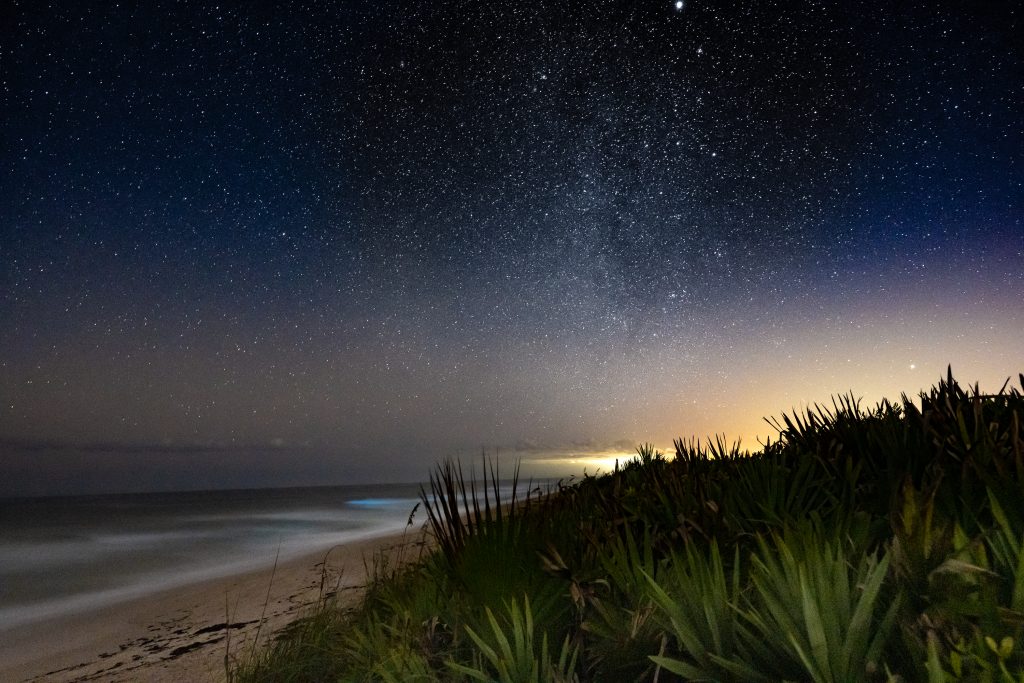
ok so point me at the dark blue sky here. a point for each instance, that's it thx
(291, 242)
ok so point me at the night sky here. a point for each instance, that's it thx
(279, 243)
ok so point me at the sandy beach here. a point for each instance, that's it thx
(185, 634)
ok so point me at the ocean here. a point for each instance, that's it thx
(60, 556)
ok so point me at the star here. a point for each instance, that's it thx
(489, 230)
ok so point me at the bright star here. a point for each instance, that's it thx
(679, 4)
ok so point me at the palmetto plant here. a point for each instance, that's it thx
(618, 626)
(487, 539)
(695, 598)
(818, 611)
(988, 579)
(459, 508)
(511, 653)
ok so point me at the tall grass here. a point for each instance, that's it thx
(882, 544)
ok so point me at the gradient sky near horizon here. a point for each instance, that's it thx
(283, 243)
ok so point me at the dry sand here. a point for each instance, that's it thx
(184, 634)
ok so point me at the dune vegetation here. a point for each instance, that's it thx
(882, 544)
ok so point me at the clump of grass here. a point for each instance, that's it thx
(882, 544)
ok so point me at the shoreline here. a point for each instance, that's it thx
(185, 633)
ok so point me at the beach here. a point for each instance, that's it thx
(162, 586)
(185, 633)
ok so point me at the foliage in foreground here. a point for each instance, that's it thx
(863, 545)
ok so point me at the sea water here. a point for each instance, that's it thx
(60, 556)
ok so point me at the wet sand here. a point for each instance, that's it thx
(187, 633)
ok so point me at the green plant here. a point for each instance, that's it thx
(695, 601)
(617, 613)
(509, 654)
(814, 614)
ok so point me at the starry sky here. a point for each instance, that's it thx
(282, 243)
